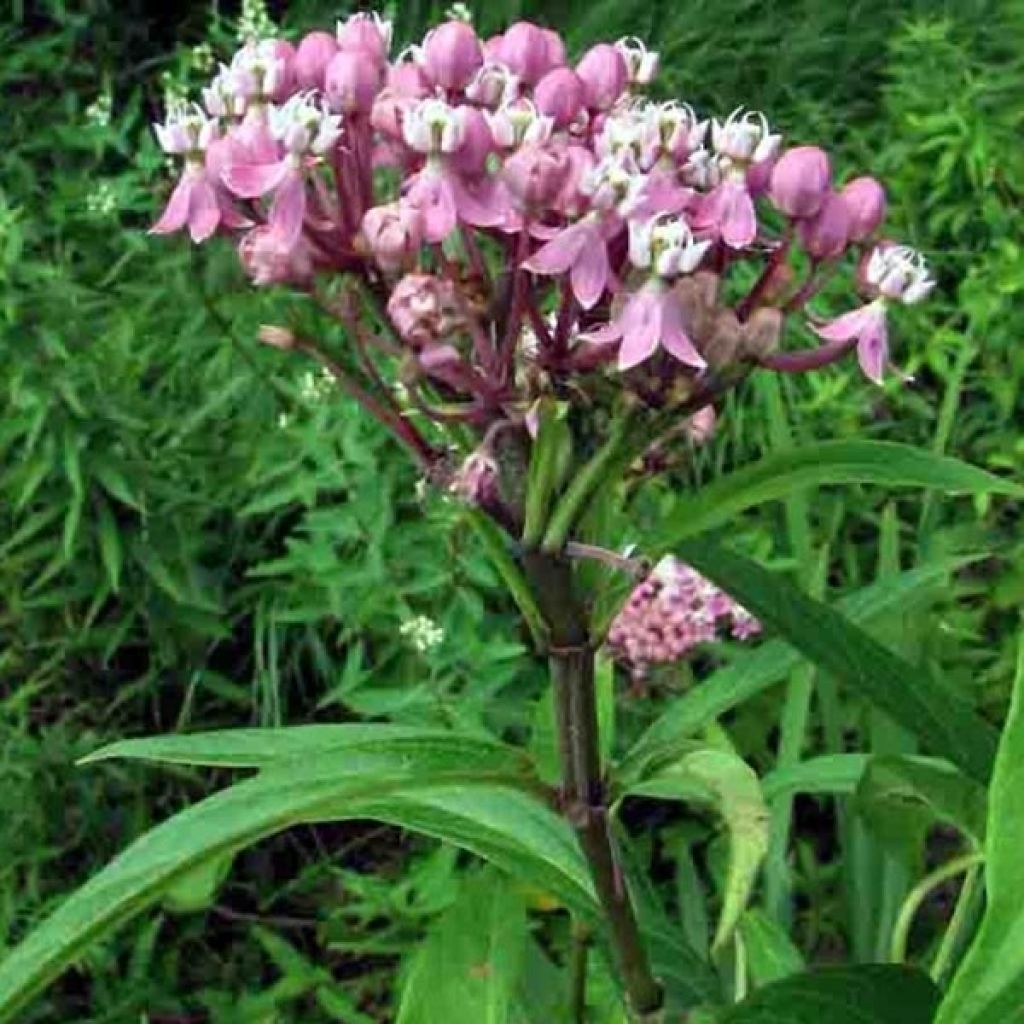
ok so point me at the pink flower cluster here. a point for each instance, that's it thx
(528, 195)
(669, 614)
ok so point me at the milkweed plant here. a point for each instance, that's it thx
(545, 276)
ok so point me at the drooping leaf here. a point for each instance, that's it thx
(916, 698)
(868, 994)
(468, 968)
(829, 462)
(497, 821)
(751, 673)
(730, 787)
(989, 986)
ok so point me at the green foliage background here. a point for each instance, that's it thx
(194, 533)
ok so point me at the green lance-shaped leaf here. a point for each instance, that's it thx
(868, 994)
(263, 748)
(913, 696)
(830, 774)
(753, 672)
(989, 986)
(468, 969)
(829, 462)
(770, 953)
(500, 821)
(722, 781)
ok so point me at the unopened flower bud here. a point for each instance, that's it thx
(284, 80)
(366, 34)
(560, 95)
(266, 261)
(827, 234)
(524, 48)
(865, 199)
(452, 55)
(536, 174)
(393, 233)
(604, 74)
(352, 82)
(701, 426)
(312, 57)
(800, 181)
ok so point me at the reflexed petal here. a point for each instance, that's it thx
(289, 209)
(560, 253)
(673, 334)
(641, 328)
(590, 272)
(203, 210)
(605, 335)
(850, 325)
(250, 181)
(484, 205)
(739, 221)
(873, 350)
(175, 213)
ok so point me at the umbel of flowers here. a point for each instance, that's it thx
(524, 227)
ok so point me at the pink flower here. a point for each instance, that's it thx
(303, 130)
(727, 212)
(865, 199)
(866, 328)
(650, 318)
(198, 201)
(581, 250)
(394, 234)
(800, 181)
(896, 273)
(267, 259)
(452, 55)
(423, 309)
(443, 198)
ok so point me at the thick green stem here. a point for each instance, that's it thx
(571, 661)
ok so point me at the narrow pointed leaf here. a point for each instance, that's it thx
(829, 462)
(989, 986)
(913, 696)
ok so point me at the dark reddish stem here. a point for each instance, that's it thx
(809, 359)
(747, 305)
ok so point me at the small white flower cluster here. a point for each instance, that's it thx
(255, 21)
(459, 12)
(422, 632)
(102, 200)
(315, 387)
(98, 112)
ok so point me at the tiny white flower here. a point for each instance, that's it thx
(459, 12)
(494, 85)
(665, 245)
(304, 127)
(186, 131)
(517, 123)
(422, 632)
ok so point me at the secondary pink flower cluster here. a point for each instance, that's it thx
(489, 190)
(671, 613)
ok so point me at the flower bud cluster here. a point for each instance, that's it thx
(670, 614)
